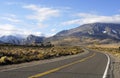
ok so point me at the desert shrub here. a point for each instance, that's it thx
(6, 60)
(40, 56)
(18, 54)
(114, 51)
(119, 49)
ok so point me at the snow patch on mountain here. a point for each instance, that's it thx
(104, 32)
(114, 31)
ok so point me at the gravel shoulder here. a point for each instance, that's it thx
(33, 63)
(115, 66)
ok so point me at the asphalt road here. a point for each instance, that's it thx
(91, 65)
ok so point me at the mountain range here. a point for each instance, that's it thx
(93, 33)
(30, 39)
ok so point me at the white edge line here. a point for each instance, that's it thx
(107, 67)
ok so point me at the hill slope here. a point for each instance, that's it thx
(32, 39)
(99, 33)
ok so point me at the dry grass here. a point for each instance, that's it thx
(66, 41)
(19, 54)
(115, 50)
(108, 46)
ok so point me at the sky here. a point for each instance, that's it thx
(47, 17)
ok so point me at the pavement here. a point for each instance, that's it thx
(89, 65)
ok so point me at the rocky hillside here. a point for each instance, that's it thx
(90, 33)
(32, 39)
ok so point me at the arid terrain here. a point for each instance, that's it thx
(10, 54)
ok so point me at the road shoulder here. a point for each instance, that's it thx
(115, 66)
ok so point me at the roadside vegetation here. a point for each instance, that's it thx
(115, 50)
(11, 54)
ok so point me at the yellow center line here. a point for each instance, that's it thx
(61, 67)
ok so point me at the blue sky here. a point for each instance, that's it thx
(47, 17)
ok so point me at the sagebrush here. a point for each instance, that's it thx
(19, 54)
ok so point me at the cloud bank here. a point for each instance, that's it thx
(84, 18)
(9, 29)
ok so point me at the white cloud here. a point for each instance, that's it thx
(50, 34)
(92, 18)
(9, 29)
(53, 30)
(41, 13)
(41, 25)
(13, 3)
(11, 15)
(26, 33)
(75, 21)
(11, 18)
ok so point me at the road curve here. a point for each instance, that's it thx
(91, 65)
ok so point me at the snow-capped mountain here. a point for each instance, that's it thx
(10, 39)
(32, 39)
(19, 40)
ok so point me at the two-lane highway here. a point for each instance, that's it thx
(91, 65)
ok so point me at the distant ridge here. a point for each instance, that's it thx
(30, 39)
(100, 33)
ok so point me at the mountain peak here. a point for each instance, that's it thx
(92, 32)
